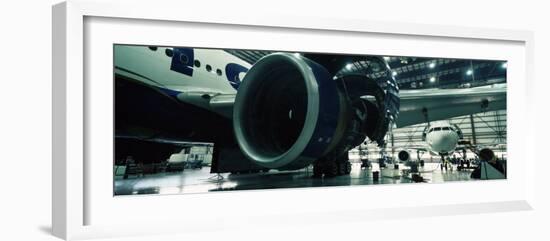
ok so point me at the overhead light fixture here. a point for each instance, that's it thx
(348, 66)
(297, 55)
(504, 65)
(432, 79)
(432, 65)
(469, 72)
(386, 58)
(394, 73)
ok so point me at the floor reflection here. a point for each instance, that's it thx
(201, 180)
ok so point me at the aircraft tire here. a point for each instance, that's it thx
(331, 169)
(347, 168)
(317, 170)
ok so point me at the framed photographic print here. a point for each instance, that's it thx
(224, 120)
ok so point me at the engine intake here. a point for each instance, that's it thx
(404, 156)
(286, 112)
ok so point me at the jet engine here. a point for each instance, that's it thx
(290, 111)
(404, 156)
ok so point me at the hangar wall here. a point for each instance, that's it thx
(483, 130)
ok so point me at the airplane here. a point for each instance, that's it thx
(439, 138)
(285, 112)
(442, 138)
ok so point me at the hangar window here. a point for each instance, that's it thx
(184, 59)
(197, 63)
(219, 72)
(208, 68)
(153, 48)
(169, 52)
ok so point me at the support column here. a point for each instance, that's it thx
(472, 126)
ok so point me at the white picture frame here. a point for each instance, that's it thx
(73, 194)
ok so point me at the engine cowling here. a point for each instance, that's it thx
(290, 111)
(404, 156)
(286, 112)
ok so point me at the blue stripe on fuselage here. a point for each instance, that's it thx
(182, 61)
(170, 92)
(232, 72)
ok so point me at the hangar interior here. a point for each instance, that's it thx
(482, 129)
(187, 170)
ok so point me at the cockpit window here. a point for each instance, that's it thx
(446, 128)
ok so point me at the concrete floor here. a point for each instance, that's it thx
(201, 180)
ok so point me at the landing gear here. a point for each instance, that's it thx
(445, 164)
(344, 168)
(331, 168)
(324, 168)
(317, 170)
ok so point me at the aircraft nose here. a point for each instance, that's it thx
(448, 141)
(443, 142)
(446, 137)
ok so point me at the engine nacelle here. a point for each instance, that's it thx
(404, 156)
(290, 111)
(286, 112)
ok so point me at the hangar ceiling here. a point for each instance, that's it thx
(420, 73)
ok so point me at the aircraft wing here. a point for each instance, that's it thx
(476, 148)
(212, 100)
(216, 102)
(423, 148)
(420, 106)
(439, 104)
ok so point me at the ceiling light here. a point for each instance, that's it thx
(348, 66)
(297, 55)
(504, 65)
(394, 73)
(469, 72)
(432, 65)
(386, 58)
(432, 79)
